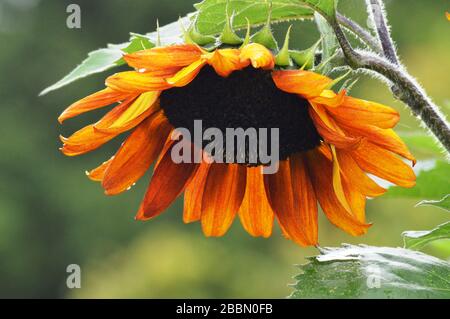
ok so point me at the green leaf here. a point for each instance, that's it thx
(373, 272)
(419, 239)
(97, 61)
(432, 181)
(444, 203)
(212, 18)
(104, 59)
(138, 42)
(327, 8)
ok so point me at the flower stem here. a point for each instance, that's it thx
(360, 32)
(404, 87)
(378, 16)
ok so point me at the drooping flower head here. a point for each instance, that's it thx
(328, 142)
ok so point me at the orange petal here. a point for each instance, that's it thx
(305, 202)
(329, 130)
(167, 183)
(382, 163)
(187, 74)
(85, 140)
(337, 182)
(306, 83)
(356, 200)
(94, 101)
(124, 117)
(193, 195)
(370, 113)
(136, 154)
(164, 57)
(258, 55)
(225, 61)
(355, 176)
(293, 200)
(329, 98)
(321, 170)
(255, 213)
(136, 82)
(98, 173)
(225, 188)
(386, 138)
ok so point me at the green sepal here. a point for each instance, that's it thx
(196, 37)
(247, 34)
(283, 58)
(339, 79)
(305, 58)
(265, 36)
(228, 36)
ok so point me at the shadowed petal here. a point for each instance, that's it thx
(167, 183)
(225, 188)
(321, 170)
(136, 154)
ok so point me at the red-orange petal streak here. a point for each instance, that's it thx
(293, 200)
(193, 194)
(255, 213)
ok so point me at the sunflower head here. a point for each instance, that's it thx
(328, 142)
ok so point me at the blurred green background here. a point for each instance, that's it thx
(51, 215)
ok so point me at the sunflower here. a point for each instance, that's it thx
(329, 142)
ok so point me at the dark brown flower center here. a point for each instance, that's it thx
(246, 99)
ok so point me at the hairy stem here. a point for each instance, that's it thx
(360, 32)
(404, 88)
(378, 15)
